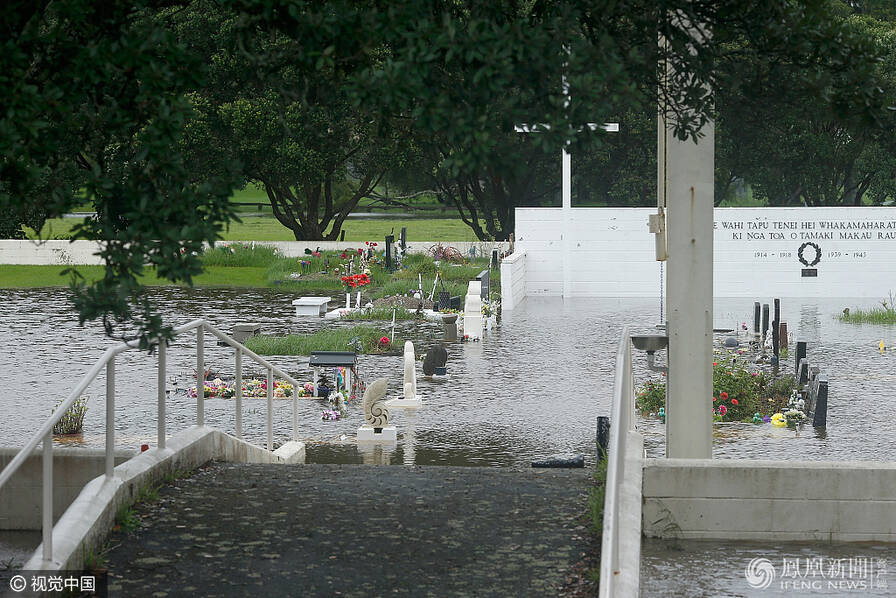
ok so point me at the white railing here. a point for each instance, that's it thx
(45, 432)
(621, 421)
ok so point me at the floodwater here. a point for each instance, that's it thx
(531, 389)
(687, 569)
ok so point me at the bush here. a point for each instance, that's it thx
(240, 255)
(651, 397)
(72, 422)
(738, 392)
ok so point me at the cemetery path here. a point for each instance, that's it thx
(356, 530)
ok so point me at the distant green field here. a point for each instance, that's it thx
(51, 276)
(255, 228)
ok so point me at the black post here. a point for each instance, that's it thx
(802, 373)
(403, 238)
(764, 319)
(800, 354)
(603, 436)
(776, 332)
(389, 240)
(820, 418)
(342, 235)
(494, 258)
(757, 310)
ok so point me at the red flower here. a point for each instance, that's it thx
(360, 251)
(734, 402)
(715, 363)
(384, 340)
(724, 395)
(714, 399)
(344, 255)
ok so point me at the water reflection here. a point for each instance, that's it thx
(691, 568)
(531, 389)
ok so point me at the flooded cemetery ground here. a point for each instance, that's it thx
(531, 389)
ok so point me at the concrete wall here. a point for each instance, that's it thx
(754, 248)
(20, 498)
(513, 280)
(769, 500)
(83, 252)
(87, 521)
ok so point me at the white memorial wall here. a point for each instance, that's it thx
(782, 252)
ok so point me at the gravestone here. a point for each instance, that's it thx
(473, 311)
(483, 279)
(449, 322)
(444, 301)
(410, 400)
(435, 359)
(389, 240)
(376, 414)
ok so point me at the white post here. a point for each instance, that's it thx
(200, 376)
(270, 417)
(567, 221)
(358, 302)
(295, 415)
(239, 393)
(48, 497)
(163, 365)
(110, 418)
(689, 225)
(348, 300)
(314, 376)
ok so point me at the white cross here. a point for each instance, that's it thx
(566, 185)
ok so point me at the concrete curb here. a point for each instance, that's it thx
(85, 524)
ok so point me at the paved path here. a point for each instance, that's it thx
(354, 530)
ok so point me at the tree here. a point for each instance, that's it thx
(108, 88)
(93, 100)
(294, 130)
(795, 149)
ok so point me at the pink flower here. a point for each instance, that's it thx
(384, 341)
(722, 410)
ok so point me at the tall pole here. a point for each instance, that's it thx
(689, 222)
(566, 195)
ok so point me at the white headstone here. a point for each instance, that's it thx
(473, 311)
(410, 372)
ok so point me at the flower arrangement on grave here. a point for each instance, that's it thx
(72, 421)
(490, 308)
(793, 417)
(738, 392)
(254, 388)
(330, 415)
(651, 397)
(355, 281)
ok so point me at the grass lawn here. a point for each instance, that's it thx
(255, 228)
(51, 276)
(260, 267)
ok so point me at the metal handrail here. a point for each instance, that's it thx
(621, 422)
(45, 432)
